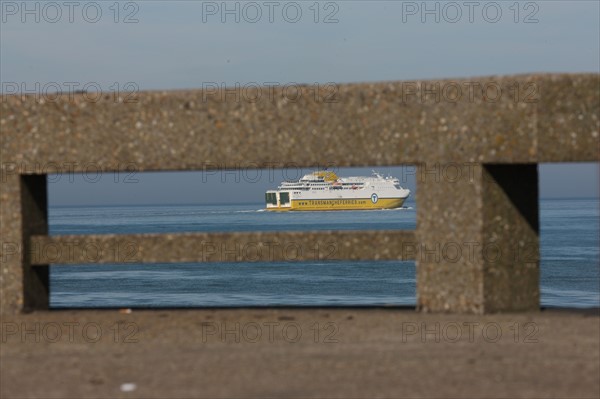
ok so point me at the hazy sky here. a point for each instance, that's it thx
(556, 181)
(188, 44)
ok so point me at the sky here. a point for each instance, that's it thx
(249, 186)
(149, 45)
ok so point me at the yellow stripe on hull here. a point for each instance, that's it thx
(341, 204)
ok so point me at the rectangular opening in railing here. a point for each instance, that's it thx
(293, 236)
(569, 235)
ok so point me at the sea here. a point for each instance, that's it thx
(570, 275)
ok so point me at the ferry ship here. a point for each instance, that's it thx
(325, 191)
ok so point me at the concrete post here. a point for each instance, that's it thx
(24, 213)
(478, 229)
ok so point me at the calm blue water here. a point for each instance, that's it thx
(569, 268)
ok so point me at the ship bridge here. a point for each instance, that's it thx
(320, 176)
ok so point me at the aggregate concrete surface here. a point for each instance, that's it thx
(299, 353)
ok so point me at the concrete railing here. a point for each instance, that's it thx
(476, 144)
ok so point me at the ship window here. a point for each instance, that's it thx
(271, 198)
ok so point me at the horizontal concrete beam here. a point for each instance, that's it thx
(496, 119)
(224, 247)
